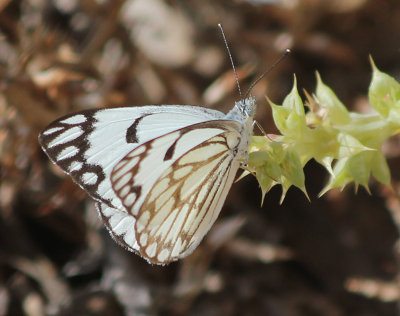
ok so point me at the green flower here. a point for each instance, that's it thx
(347, 144)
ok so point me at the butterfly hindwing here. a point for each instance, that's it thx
(185, 175)
(134, 176)
(186, 200)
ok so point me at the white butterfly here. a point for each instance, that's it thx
(159, 174)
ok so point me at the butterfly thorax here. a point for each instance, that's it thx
(243, 112)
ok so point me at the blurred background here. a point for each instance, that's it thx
(335, 255)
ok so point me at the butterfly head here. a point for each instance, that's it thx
(243, 110)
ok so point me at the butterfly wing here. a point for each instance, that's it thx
(88, 144)
(124, 157)
(175, 187)
(121, 226)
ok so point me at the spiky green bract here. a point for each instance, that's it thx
(347, 144)
(274, 162)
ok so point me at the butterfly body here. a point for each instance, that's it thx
(159, 174)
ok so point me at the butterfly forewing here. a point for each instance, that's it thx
(120, 225)
(185, 200)
(87, 145)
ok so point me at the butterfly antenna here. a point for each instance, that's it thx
(287, 51)
(230, 57)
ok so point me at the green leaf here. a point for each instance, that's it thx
(292, 170)
(380, 169)
(289, 118)
(336, 112)
(384, 94)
